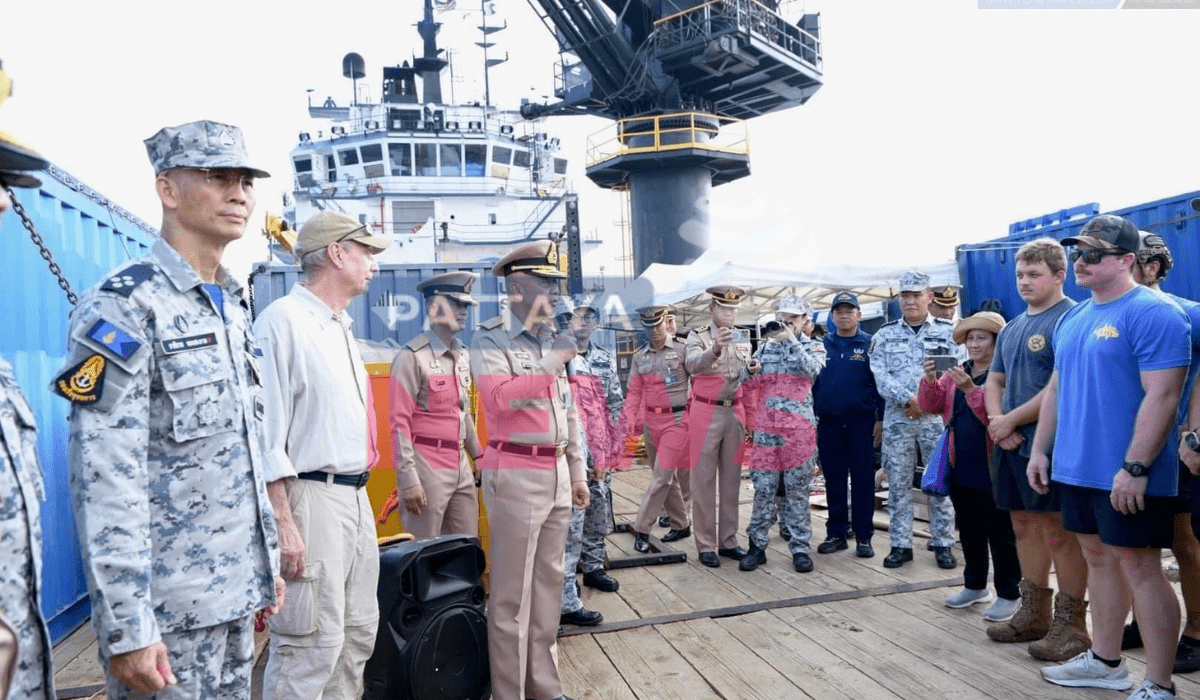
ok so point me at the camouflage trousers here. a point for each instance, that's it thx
(585, 539)
(210, 663)
(32, 677)
(901, 440)
(794, 513)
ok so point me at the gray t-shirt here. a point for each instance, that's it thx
(1025, 356)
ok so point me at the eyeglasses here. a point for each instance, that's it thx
(227, 178)
(1093, 256)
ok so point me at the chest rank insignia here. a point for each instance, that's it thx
(123, 282)
(84, 382)
(1106, 331)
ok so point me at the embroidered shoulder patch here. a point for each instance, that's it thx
(83, 383)
(118, 341)
(124, 281)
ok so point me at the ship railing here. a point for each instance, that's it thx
(668, 132)
(705, 22)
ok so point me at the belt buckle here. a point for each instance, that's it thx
(560, 450)
(461, 444)
(363, 479)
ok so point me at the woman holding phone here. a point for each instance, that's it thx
(957, 394)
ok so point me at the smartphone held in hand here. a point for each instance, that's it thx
(941, 363)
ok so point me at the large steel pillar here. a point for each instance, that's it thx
(670, 215)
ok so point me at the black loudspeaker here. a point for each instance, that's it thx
(432, 639)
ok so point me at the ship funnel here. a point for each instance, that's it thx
(353, 66)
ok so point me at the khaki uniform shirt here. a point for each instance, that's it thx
(703, 364)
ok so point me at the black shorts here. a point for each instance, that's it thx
(1182, 503)
(1011, 489)
(1089, 512)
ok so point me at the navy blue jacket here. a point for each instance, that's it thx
(846, 387)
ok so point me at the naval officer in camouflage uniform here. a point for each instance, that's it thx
(897, 354)
(717, 360)
(21, 494)
(598, 397)
(432, 427)
(166, 447)
(785, 434)
(532, 471)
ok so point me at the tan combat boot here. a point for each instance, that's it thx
(1032, 620)
(1068, 636)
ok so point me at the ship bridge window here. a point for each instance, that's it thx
(331, 167)
(560, 166)
(371, 153)
(501, 155)
(476, 154)
(426, 159)
(400, 155)
(303, 165)
(451, 159)
(521, 158)
(348, 156)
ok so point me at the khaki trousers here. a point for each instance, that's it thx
(528, 513)
(714, 444)
(451, 506)
(669, 488)
(325, 633)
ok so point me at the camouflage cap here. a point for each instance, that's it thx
(1107, 231)
(202, 144)
(913, 281)
(584, 302)
(793, 304)
(1152, 245)
(844, 298)
(455, 285)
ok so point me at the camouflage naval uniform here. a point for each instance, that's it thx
(897, 357)
(21, 495)
(596, 387)
(166, 471)
(784, 445)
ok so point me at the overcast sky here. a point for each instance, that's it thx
(939, 123)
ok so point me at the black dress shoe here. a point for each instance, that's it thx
(832, 544)
(897, 557)
(945, 559)
(735, 553)
(864, 549)
(802, 563)
(675, 535)
(582, 617)
(664, 521)
(601, 581)
(641, 542)
(709, 559)
(753, 559)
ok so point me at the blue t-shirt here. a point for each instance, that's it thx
(1192, 309)
(1100, 351)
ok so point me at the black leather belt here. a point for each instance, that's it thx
(727, 403)
(529, 450)
(356, 480)
(434, 442)
(662, 411)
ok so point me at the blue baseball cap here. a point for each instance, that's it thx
(844, 298)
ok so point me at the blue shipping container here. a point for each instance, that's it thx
(987, 270)
(87, 235)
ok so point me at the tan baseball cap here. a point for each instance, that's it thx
(331, 227)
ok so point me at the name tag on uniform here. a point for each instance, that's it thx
(192, 342)
(522, 355)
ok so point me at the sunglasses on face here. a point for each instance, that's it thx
(1093, 256)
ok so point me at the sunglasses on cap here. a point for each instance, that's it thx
(1093, 256)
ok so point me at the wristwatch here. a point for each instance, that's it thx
(1192, 441)
(1136, 469)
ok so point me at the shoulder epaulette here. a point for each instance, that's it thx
(492, 323)
(938, 319)
(417, 343)
(890, 323)
(125, 280)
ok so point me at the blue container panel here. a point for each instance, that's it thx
(987, 270)
(86, 239)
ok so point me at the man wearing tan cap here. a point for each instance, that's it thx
(168, 476)
(658, 391)
(320, 435)
(532, 471)
(432, 426)
(716, 359)
(25, 664)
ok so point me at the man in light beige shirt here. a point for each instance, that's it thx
(320, 433)
(432, 426)
(533, 470)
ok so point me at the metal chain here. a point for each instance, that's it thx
(41, 244)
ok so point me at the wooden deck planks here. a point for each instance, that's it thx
(652, 668)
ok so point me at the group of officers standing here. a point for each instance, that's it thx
(217, 462)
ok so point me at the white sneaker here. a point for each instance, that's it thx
(1003, 609)
(1150, 691)
(1086, 671)
(968, 597)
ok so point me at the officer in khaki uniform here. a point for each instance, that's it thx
(658, 391)
(716, 357)
(432, 426)
(532, 471)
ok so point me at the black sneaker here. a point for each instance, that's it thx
(1187, 655)
(864, 549)
(802, 563)
(897, 557)
(832, 544)
(1131, 637)
(753, 559)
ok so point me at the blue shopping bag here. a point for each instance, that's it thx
(936, 479)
